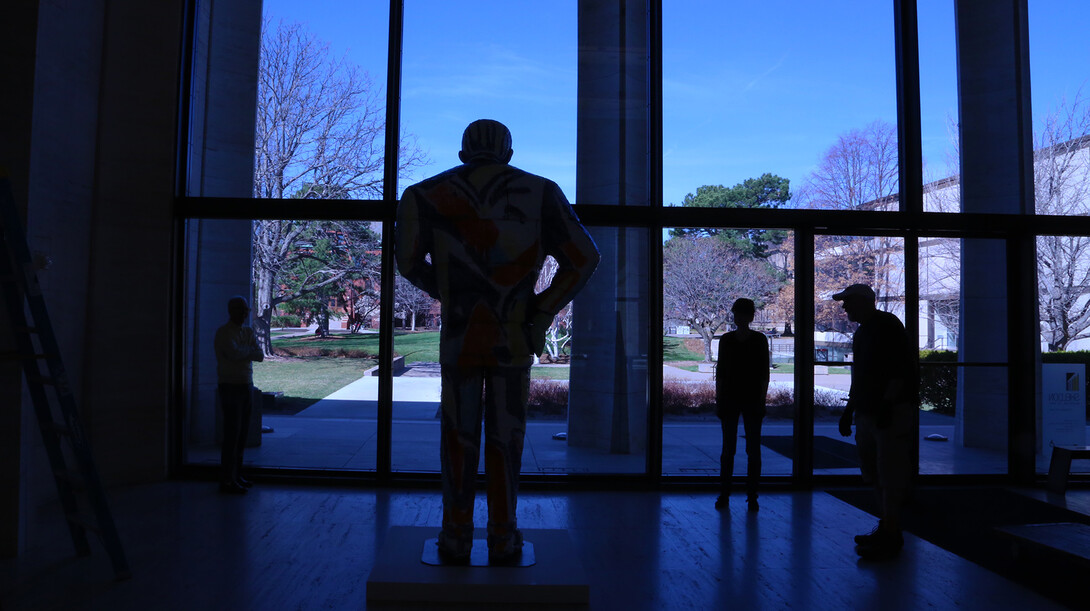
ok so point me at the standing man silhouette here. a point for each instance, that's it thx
(236, 348)
(475, 238)
(881, 402)
(741, 387)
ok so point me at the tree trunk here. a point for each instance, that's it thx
(707, 335)
(551, 344)
(263, 310)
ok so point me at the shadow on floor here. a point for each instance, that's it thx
(964, 521)
(829, 453)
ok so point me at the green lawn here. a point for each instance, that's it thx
(790, 368)
(418, 346)
(306, 380)
(674, 349)
(549, 373)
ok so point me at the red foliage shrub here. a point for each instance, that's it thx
(548, 400)
(688, 399)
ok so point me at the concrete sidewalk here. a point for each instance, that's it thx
(416, 397)
(340, 432)
(835, 384)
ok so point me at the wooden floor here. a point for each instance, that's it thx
(308, 547)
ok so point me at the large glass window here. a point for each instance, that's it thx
(1063, 274)
(796, 101)
(319, 121)
(588, 399)
(514, 62)
(963, 374)
(705, 270)
(841, 261)
(314, 290)
(939, 106)
(1061, 185)
(797, 138)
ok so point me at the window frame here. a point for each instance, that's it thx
(909, 222)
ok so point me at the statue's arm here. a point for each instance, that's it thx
(412, 243)
(576, 254)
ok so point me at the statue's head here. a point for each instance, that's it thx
(486, 140)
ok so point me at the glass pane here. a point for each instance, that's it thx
(587, 399)
(839, 262)
(705, 270)
(962, 322)
(314, 290)
(939, 311)
(735, 106)
(1061, 106)
(588, 392)
(1063, 272)
(939, 105)
(319, 118)
(607, 413)
(522, 73)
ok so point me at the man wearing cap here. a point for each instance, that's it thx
(475, 238)
(881, 402)
(236, 348)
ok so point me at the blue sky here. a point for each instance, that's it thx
(748, 87)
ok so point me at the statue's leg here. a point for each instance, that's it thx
(506, 394)
(459, 451)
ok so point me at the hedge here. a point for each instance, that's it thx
(938, 385)
(286, 320)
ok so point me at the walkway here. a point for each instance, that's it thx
(340, 432)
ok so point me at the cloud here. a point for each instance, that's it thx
(759, 78)
(491, 72)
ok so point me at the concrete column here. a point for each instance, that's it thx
(61, 204)
(221, 164)
(18, 41)
(127, 313)
(608, 389)
(996, 177)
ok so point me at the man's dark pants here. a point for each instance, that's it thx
(236, 401)
(751, 422)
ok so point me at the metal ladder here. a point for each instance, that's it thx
(80, 488)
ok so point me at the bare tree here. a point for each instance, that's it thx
(319, 135)
(559, 333)
(320, 121)
(781, 309)
(859, 172)
(295, 259)
(1061, 181)
(702, 276)
(360, 304)
(409, 301)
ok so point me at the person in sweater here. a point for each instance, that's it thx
(236, 348)
(741, 385)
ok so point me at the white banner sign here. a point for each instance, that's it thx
(1063, 405)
